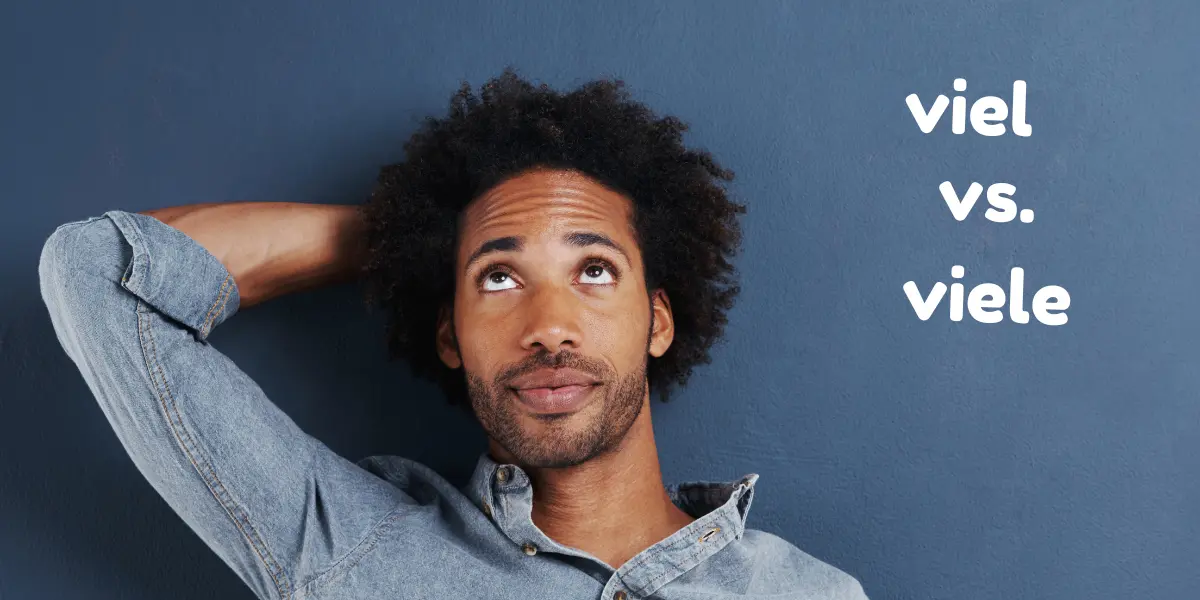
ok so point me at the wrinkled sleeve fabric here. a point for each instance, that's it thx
(133, 301)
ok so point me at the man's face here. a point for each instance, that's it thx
(552, 318)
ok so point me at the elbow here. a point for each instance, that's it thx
(53, 263)
(77, 267)
(54, 277)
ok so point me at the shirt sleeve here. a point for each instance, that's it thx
(133, 301)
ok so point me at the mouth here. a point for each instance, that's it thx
(558, 400)
(554, 391)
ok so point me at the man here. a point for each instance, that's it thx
(550, 259)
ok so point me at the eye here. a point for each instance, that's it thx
(598, 273)
(497, 280)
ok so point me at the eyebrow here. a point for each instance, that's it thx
(578, 239)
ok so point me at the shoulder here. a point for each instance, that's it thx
(778, 566)
(419, 482)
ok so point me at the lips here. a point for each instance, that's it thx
(554, 391)
(553, 378)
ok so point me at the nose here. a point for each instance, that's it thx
(552, 320)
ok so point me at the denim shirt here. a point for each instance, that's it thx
(133, 301)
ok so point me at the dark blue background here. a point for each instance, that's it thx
(931, 460)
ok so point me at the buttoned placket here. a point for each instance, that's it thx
(510, 508)
(513, 504)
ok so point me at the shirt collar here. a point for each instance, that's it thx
(504, 494)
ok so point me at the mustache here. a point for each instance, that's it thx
(559, 360)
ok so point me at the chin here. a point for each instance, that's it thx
(555, 441)
(555, 462)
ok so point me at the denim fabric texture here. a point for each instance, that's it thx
(133, 301)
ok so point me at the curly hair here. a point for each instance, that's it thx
(685, 225)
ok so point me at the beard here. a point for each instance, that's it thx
(556, 441)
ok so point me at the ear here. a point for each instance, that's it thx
(447, 340)
(662, 324)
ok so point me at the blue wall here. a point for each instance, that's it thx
(930, 459)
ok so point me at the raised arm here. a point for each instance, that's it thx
(133, 298)
(274, 248)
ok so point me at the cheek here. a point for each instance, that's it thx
(485, 342)
(605, 329)
(620, 335)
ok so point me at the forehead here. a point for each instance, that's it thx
(546, 203)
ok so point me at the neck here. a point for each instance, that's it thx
(613, 506)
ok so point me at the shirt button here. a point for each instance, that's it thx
(502, 474)
(529, 549)
(620, 595)
(487, 509)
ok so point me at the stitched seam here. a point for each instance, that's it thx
(218, 490)
(209, 316)
(672, 573)
(240, 520)
(360, 551)
(675, 571)
(651, 555)
(221, 311)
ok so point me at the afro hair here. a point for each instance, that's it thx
(686, 225)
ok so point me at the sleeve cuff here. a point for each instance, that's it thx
(175, 274)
